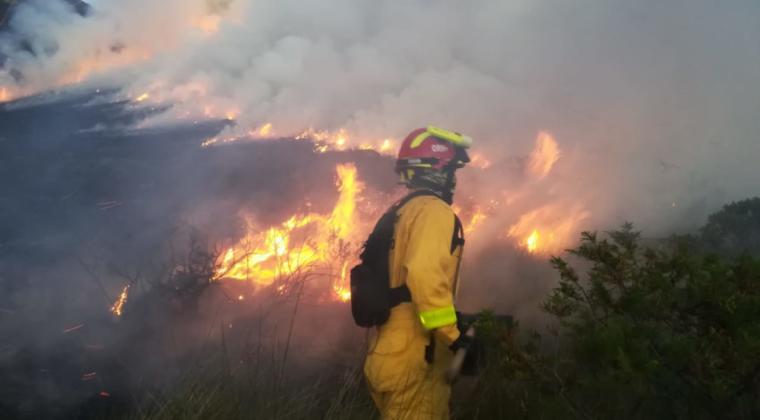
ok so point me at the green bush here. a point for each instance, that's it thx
(643, 333)
(733, 230)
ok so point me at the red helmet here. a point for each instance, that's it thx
(433, 148)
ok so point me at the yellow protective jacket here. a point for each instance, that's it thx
(403, 384)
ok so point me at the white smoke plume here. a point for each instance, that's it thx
(654, 105)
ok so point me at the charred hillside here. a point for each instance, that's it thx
(92, 203)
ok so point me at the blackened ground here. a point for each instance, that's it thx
(89, 202)
(66, 176)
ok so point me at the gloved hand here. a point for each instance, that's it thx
(463, 324)
(464, 341)
(475, 349)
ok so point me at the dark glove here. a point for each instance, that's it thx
(463, 342)
(475, 349)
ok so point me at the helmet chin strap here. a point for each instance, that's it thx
(448, 190)
(445, 191)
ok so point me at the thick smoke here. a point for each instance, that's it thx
(653, 104)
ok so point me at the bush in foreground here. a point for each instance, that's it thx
(643, 333)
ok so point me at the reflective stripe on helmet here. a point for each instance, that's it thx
(419, 139)
(437, 318)
(450, 136)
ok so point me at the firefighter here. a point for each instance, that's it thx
(408, 356)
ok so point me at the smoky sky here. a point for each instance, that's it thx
(653, 103)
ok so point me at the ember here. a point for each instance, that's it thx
(118, 306)
(74, 328)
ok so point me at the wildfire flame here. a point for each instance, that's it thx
(544, 156)
(324, 140)
(118, 306)
(475, 218)
(532, 241)
(343, 140)
(550, 229)
(265, 130)
(301, 243)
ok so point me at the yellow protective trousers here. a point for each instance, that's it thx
(403, 384)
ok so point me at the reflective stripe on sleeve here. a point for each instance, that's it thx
(438, 317)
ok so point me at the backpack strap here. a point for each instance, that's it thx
(401, 294)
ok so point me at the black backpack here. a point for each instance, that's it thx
(371, 294)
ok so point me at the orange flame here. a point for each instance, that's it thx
(532, 242)
(265, 130)
(299, 244)
(231, 114)
(118, 306)
(343, 140)
(474, 219)
(342, 292)
(548, 230)
(387, 146)
(477, 218)
(5, 94)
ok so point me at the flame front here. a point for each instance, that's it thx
(118, 306)
(301, 244)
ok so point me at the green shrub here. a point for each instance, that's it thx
(733, 230)
(642, 333)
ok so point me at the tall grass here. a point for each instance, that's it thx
(211, 393)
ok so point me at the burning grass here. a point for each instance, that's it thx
(304, 242)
